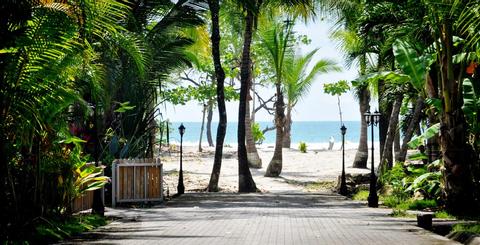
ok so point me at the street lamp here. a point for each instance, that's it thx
(372, 119)
(181, 187)
(343, 185)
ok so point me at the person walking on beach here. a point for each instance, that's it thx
(330, 143)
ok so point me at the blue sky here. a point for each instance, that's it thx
(316, 106)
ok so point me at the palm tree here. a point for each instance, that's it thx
(298, 81)
(356, 50)
(277, 40)
(252, 9)
(220, 76)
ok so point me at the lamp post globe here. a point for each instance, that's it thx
(343, 184)
(180, 186)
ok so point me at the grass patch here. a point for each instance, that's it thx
(391, 201)
(408, 204)
(361, 195)
(422, 204)
(319, 186)
(55, 230)
(311, 186)
(443, 215)
(400, 213)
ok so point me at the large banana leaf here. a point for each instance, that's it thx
(471, 102)
(411, 63)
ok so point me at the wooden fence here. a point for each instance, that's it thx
(137, 180)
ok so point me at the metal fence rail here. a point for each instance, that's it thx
(137, 180)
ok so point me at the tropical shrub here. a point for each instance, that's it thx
(257, 133)
(302, 147)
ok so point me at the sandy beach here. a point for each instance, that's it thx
(314, 171)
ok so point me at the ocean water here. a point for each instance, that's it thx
(314, 133)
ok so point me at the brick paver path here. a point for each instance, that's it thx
(289, 218)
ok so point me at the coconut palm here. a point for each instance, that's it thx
(252, 9)
(277, 40)
(297, 83)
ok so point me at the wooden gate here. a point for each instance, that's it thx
(137, 180)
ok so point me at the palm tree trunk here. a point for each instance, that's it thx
(361, 156)
(411, 129)
(275, 166)
(287, 136)
(202, 128)
(457, 155)
(222, 113)
(209, 124)
(254, 160)
(385, 110)
(386, 160)
(396, 143)
(245, 179)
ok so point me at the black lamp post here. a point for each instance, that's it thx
(372, 119)
(181, 187)
(343, 185)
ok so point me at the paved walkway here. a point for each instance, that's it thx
(289, 218)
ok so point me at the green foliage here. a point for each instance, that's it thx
(419, 140)
(302, 146)
(337, 88)
(418, 204)
(411, 63)
(392, 201)
(443, 215)
(298, 79)
(361, 195)
(405, 182)
(51, 231)
(472, 228)
(204, 92)
(257, 133)
(394, 178)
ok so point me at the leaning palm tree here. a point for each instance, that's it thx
(277, 40)
(298, 81)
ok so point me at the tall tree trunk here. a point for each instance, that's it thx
(275, 166)
(287, 135)
(361, 156)
(204, 111)
(254, 160)
(209, 124)
(386, 160)
(419, 104)
(222, 113)
(385, 111)
(245, 179)
(396, 143)
(457, 155)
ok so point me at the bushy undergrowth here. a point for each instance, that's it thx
(50, 231)
(411, 187)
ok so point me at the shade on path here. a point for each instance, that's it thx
(281, 218)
